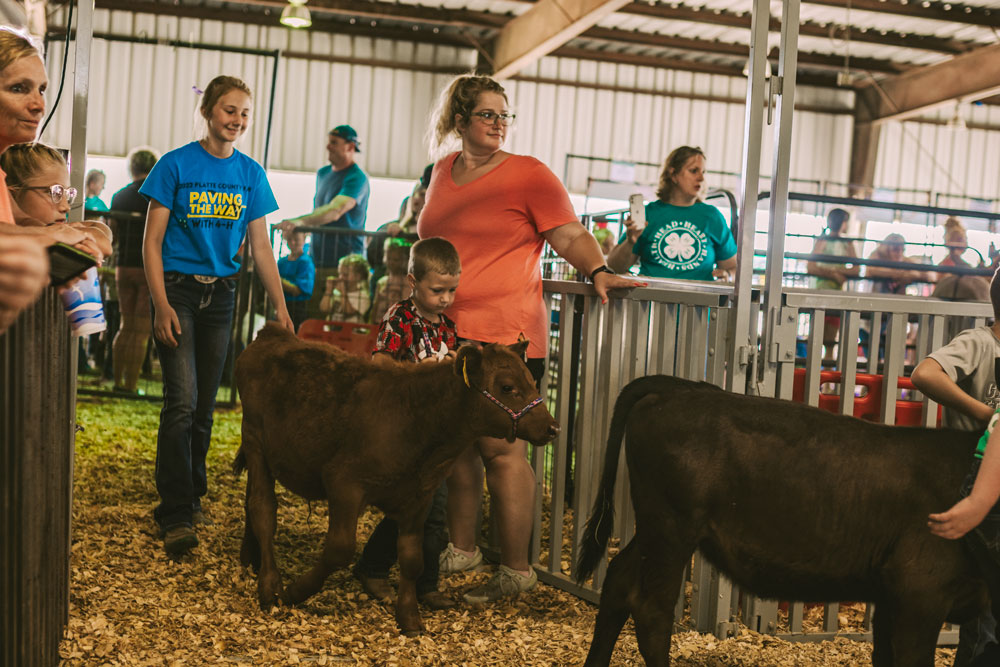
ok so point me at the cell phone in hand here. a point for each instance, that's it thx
(67, 262)
(637, 210)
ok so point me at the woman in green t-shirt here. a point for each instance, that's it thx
(683, 237)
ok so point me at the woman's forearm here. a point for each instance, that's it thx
(621, 258)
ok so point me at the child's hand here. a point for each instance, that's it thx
(965, 515)
(99, 234)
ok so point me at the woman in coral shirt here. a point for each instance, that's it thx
(499, 209)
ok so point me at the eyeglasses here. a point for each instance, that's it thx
(56, 192)
(490, 117)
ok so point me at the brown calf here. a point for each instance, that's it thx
(330, 425)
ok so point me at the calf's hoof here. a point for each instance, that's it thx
(409, 624)
(269, 590)
(295, 593)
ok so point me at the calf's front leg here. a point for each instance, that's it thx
(338, 548)
(411, 563)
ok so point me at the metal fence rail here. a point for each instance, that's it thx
(673, 327)
(37, 415)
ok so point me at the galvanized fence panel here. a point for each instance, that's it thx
(37, 415)
(672, 327)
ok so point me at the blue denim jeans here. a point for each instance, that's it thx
(984, 543)
(192, 372)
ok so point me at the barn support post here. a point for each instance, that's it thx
(781, 91)
(740, 350)
(81, 92)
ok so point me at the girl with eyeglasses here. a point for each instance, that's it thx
(38, 179)
(499, 209)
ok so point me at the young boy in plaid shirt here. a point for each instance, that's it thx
(416, 330)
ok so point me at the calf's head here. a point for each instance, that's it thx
(511, 406)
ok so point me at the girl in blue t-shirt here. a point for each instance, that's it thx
(683, 237)
(204, 199)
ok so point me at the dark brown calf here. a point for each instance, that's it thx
(329, 425)
(792, 503)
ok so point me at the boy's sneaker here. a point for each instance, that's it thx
(504, 583)
(179, 539)
(451, 560)
(377, 588)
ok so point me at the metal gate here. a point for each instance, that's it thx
(37, 415)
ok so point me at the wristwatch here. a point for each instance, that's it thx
(601, 269)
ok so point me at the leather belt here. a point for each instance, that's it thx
(208, 280)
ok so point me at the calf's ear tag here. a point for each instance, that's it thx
(465, 372)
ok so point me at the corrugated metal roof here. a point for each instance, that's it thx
(713, 32)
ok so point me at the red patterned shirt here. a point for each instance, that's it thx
(405, 335)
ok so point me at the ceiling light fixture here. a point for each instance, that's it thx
(296, 15)
(844, 76)
(956, 122)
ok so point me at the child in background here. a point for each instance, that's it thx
(392, 287)
(346, 298)
(297, 273)
(94, 185)
(605, 238)
(962, 376)
(416, 330)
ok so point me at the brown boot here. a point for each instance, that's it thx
(179, 538)
(436, 600)
(376, 587)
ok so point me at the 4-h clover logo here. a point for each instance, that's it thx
(680, 247)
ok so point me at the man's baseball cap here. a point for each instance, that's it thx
(347, 133)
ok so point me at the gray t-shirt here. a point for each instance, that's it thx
(971, 359)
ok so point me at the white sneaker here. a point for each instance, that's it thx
(451, 560)
(504, 583)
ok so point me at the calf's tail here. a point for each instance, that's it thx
(602, 517)
(240, 463)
